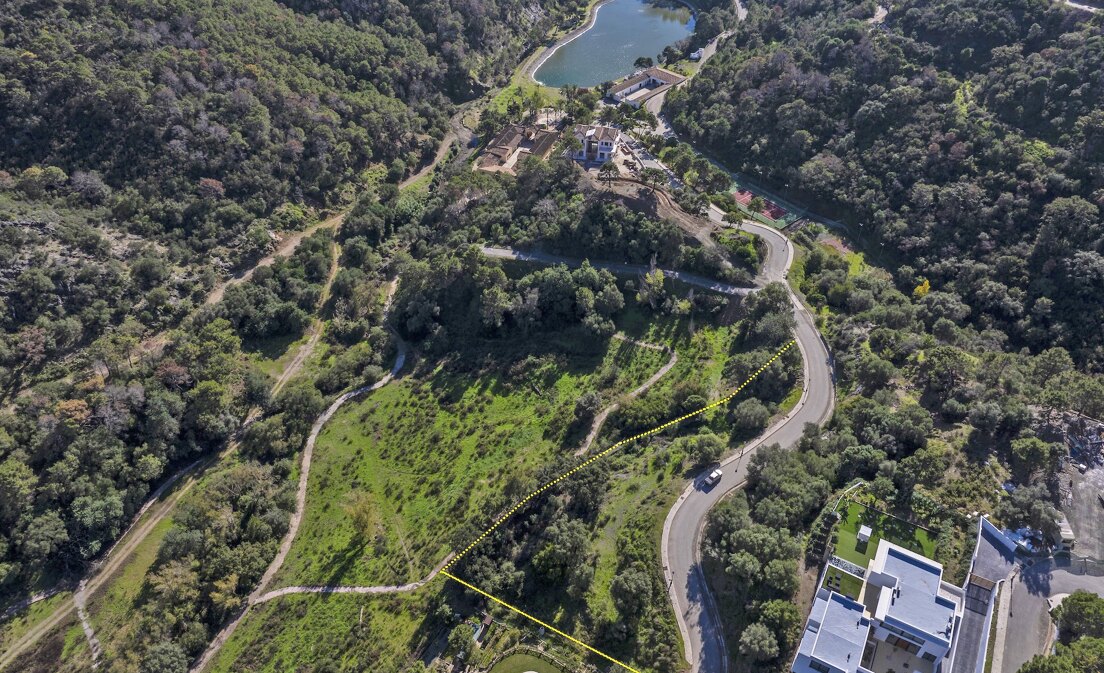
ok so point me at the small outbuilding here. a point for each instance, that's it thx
(864, 534)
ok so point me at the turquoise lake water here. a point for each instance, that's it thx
(623, 31)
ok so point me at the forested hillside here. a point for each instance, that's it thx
(965, 138)
(147, 149)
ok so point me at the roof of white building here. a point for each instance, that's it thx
(914, 602)
(836, 632)
(607, 133)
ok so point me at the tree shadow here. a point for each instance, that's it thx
(273, 347)
(1037, 576)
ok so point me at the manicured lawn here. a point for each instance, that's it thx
(435, 454)
(883, 526)
(524, 663)
(843, 583)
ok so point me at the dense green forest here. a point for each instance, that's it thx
(964, 137)
(147, 148)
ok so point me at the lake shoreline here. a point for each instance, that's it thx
(592, 16)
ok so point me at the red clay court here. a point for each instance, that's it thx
(771, 210)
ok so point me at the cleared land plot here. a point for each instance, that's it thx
(422, 458)
(883, 526)
(644, 480)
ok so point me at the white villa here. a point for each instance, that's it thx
(597, 143)
(906, 620)
(637, 88)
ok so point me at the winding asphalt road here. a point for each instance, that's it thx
(694, 605)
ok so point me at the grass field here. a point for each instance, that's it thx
(429, 455)
(884, 527)
(429, 458)
(63, 650)
(336, 632)
(524, 663)
(273, 354)
(111, 610)
(14, 628)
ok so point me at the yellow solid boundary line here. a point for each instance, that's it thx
(619, 444)
(534, 619)
(565, 475)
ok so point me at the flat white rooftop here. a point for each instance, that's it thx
(835, 634)
(915, 602)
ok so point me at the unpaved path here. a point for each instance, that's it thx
(341, 589)
(101, 574)
(600, 419)
(285, 247)
(79, 600)
(316, 330)
(119, 553)
(296, 519)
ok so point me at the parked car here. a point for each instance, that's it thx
(713, 477)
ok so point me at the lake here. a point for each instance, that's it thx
(623, 31)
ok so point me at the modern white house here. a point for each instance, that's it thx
(596, 143)
(638, 87)
(905, 620)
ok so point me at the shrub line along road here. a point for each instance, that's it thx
(615, 267)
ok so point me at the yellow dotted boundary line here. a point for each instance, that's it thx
(618, 445)
(534, 619)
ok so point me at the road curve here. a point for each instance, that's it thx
(694, 605)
